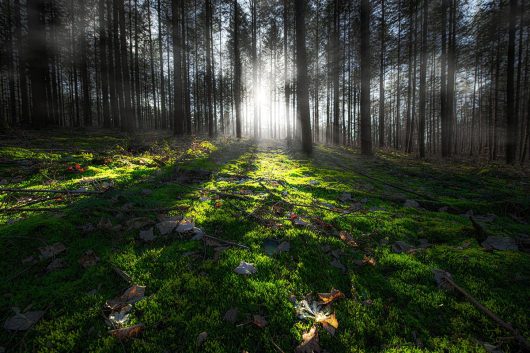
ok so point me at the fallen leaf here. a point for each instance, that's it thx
(327, 298)
(88, 259)
(231, 315)
(201, 338)
(105, 224)
(367, 260)
(127, 332)
(330, 323)
(121, 316)
(56, 264)
(138, 222)
(245, 268)
(411, 204)
(130, 296)
(348, 239)
(298, 222)
(336, 263)
(259, 321)
(499, 243)
(284, 246)
(185, 226)
(198, 234)
(166, 227)
(400, 247)
(147, 235)
(23, 322)
(49, 251)
(345, 197)
(310, 343)
(441, 277)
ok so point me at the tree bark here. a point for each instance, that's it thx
(366, 123)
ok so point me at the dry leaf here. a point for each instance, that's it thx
(259, 321)
(166, 227)
(336, 263)
(329, 323)
(245, 268)
(120, 317)
(147, 235)
(367, 260)
(105, 224)
(138, 222)
(201, 338)
(400, 247)
(327, 298)
(89, 259)
(127, 332)
(310, 343)
(49, 251)
(284, 246)
(348, 239)
(130, 296)
(56, 264)
(23, 322)
(185, 226)
(231, 315)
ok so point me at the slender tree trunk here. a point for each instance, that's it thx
(178, 114)
(423, 81)
(163, 112)
(366, 124)
(237, 70)
(511, 116)
(382, 79)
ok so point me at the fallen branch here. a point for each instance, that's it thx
(70, 192)
(227, 242)
(29, 209)
(447, 278)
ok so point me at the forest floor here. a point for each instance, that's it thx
(372, 228)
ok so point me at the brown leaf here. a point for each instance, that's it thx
(127, 332)
(259, 321)
(89, 259)
(231, 315)
(201, 338)
(329, 323)
(49, 251)
(367, 260)
(138, 222)
(310, 343)
(348, 239)
(336, 263)
(130, 296)
(327, 298)
(23, 322)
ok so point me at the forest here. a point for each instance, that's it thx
(264, 176)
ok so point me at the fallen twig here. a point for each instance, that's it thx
(227, 242)
(72, 192)
(486, 311)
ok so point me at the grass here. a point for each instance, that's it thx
(394, 306)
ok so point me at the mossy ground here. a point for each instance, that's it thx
(394, 306)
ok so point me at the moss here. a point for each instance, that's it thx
(393, 306)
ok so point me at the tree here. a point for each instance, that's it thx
(178, 113)
(237, 70)
(511, 116)
(423, 80)
(37, 60)
(366, 123)
(382, 79)
(302, 91)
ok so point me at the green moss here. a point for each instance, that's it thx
(393, 306)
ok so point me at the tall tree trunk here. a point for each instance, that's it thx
(104, 74)
(237, 70)
(163, 112)
(366, 123)
(423, 81)
(451, 68)
(302, 93)
(37, 60)
(178, 117)
(209, 78)
(443, 86)
(335, 54)
(511, 117)
(382, 79)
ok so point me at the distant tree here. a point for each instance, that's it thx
(423, 80)
(178, 113)
(237, 69)
(511, 116)
(366, 123)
